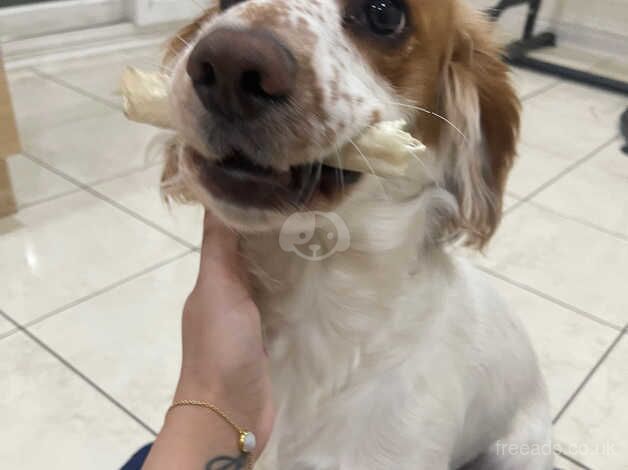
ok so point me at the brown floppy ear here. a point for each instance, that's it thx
(478, 98)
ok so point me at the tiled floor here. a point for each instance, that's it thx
(95, 269)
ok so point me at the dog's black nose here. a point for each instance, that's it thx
(240, 73)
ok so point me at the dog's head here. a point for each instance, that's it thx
(264, 90)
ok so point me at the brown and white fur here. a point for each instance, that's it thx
(392, 354)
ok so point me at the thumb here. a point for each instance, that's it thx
(220, 260)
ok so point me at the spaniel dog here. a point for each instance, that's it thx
(389, 353)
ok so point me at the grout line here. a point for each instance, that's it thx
(76, 89)
(110, 201)
(44, 200)
(589, 376)
(69, 192)
(562, 174)
(573, 461)
(579, 221)
(6, 334)
(541, 90)
(123, 174)
(80, 374)
(107, 288)
(549, 298)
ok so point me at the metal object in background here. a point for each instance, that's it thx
(517, 51)
(623, 127)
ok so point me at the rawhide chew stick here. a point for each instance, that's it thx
(145, 97)
(384, 149)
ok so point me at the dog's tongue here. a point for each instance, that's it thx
(384, 149)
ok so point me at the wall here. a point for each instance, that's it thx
(598, 24)
(37, 19)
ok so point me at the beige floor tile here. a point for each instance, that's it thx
(586, 102)
(5, 326)
(596, 192)
(527, 82)
(41, 104)
(33, 183)
(509, 201)
(567, 56)
(53, 419)
(571, 120)
(148, 57)
(140, 193)
(100, 75)
(96, 148)
(564, 464)
(567, 260)
(128, 340)
(614, 68)
(56, 252)
(594, 427)
(532, 169)
(153, 52)
(568, 345)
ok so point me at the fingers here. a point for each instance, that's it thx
(219, 250)
(218, 240)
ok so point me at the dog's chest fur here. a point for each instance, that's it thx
(379, 355)
(343, 336)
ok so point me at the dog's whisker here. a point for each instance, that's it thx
(198, 4)
(432, 113)
(340, 170)
(371, 169)
(305, 183)
(314, 182)
(428, 172)
(173, 50)
(157, 65)
(178, 36)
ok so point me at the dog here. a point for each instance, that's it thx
(391, 353)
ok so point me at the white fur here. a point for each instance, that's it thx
(391, 354)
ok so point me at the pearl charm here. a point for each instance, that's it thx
(247, 442)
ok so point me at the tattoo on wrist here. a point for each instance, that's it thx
(224, 462)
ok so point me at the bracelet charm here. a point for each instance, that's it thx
(247, 442)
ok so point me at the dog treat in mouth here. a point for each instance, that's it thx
(145, 97)
(384, 149)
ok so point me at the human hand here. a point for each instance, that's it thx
(224, 362)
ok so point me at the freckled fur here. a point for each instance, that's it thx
(392, 354)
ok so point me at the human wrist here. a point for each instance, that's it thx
(244, 415)
(192, 437)
(195, 422)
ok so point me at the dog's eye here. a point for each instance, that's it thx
(385, 17)
(225, 4)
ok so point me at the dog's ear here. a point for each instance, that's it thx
(187, 33)
(478, 98)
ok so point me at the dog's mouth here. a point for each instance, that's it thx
(239, 180)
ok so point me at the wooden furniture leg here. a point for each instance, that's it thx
(9, 145)
(7, 199)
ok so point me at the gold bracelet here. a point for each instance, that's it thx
(247, 440)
